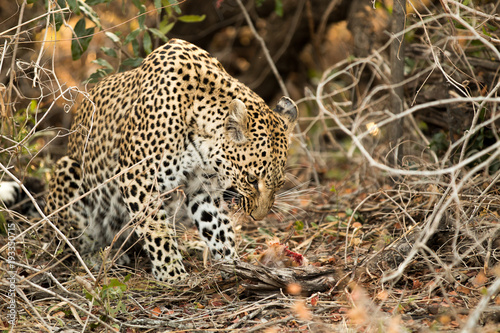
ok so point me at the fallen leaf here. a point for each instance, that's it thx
(417, 284)
(198, 305)
(383, 295)
(444, 319)
(59, 314)
(314, 300)
(463, 290)
(357, 225)
(216, 303)
(156, 312)
(480, 279)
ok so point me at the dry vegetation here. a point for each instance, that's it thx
(411, 246)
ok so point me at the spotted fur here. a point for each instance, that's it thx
(179, 121)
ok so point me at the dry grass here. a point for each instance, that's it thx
(439, 288)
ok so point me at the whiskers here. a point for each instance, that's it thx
(283, 211)
(289, 203)
(298, 191)
(230, 193)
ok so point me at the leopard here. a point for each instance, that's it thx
(176, 131)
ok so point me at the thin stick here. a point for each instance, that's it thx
(397, 76)
(264, 48)
(12, 66)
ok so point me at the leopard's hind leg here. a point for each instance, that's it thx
(65, 188)
(88, 212)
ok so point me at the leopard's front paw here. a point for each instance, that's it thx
(171, 274)
(227, 261)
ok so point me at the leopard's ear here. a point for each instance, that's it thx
(236, 124)
(287, 110)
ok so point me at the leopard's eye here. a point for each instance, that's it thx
(251, 179)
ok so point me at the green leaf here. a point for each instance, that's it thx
(89, 13)
(158, 5)
(191, 18)
(146, 43)
(82, 40)
(98, 75)
(32, 107)
(114, 289)
(278, 7)
(109, 51)
(158, 34)
(113, 37)
(135, 47)
(103, 63)
(142, 17)
(299, 225)
(168, 10)
(28, 253)
(486, 32)
(88, 296)
(132, 62)
(491, 27)
(137, 4)
(332, 189)
(131, 36)
(331, 218)
(115, 283)
(73, 5)
(3, 225)
(348, 211)
(58, 20)
(175, 5)
(96, 2)
(165, 26)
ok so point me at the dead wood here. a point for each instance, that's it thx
(265, 279)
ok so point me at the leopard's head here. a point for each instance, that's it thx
(256, 148)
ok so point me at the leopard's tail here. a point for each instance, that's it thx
(14, 198)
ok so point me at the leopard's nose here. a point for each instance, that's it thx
(259, 213)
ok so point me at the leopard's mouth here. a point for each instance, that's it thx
(231, 197)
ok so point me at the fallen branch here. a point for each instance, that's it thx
(262, 278)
